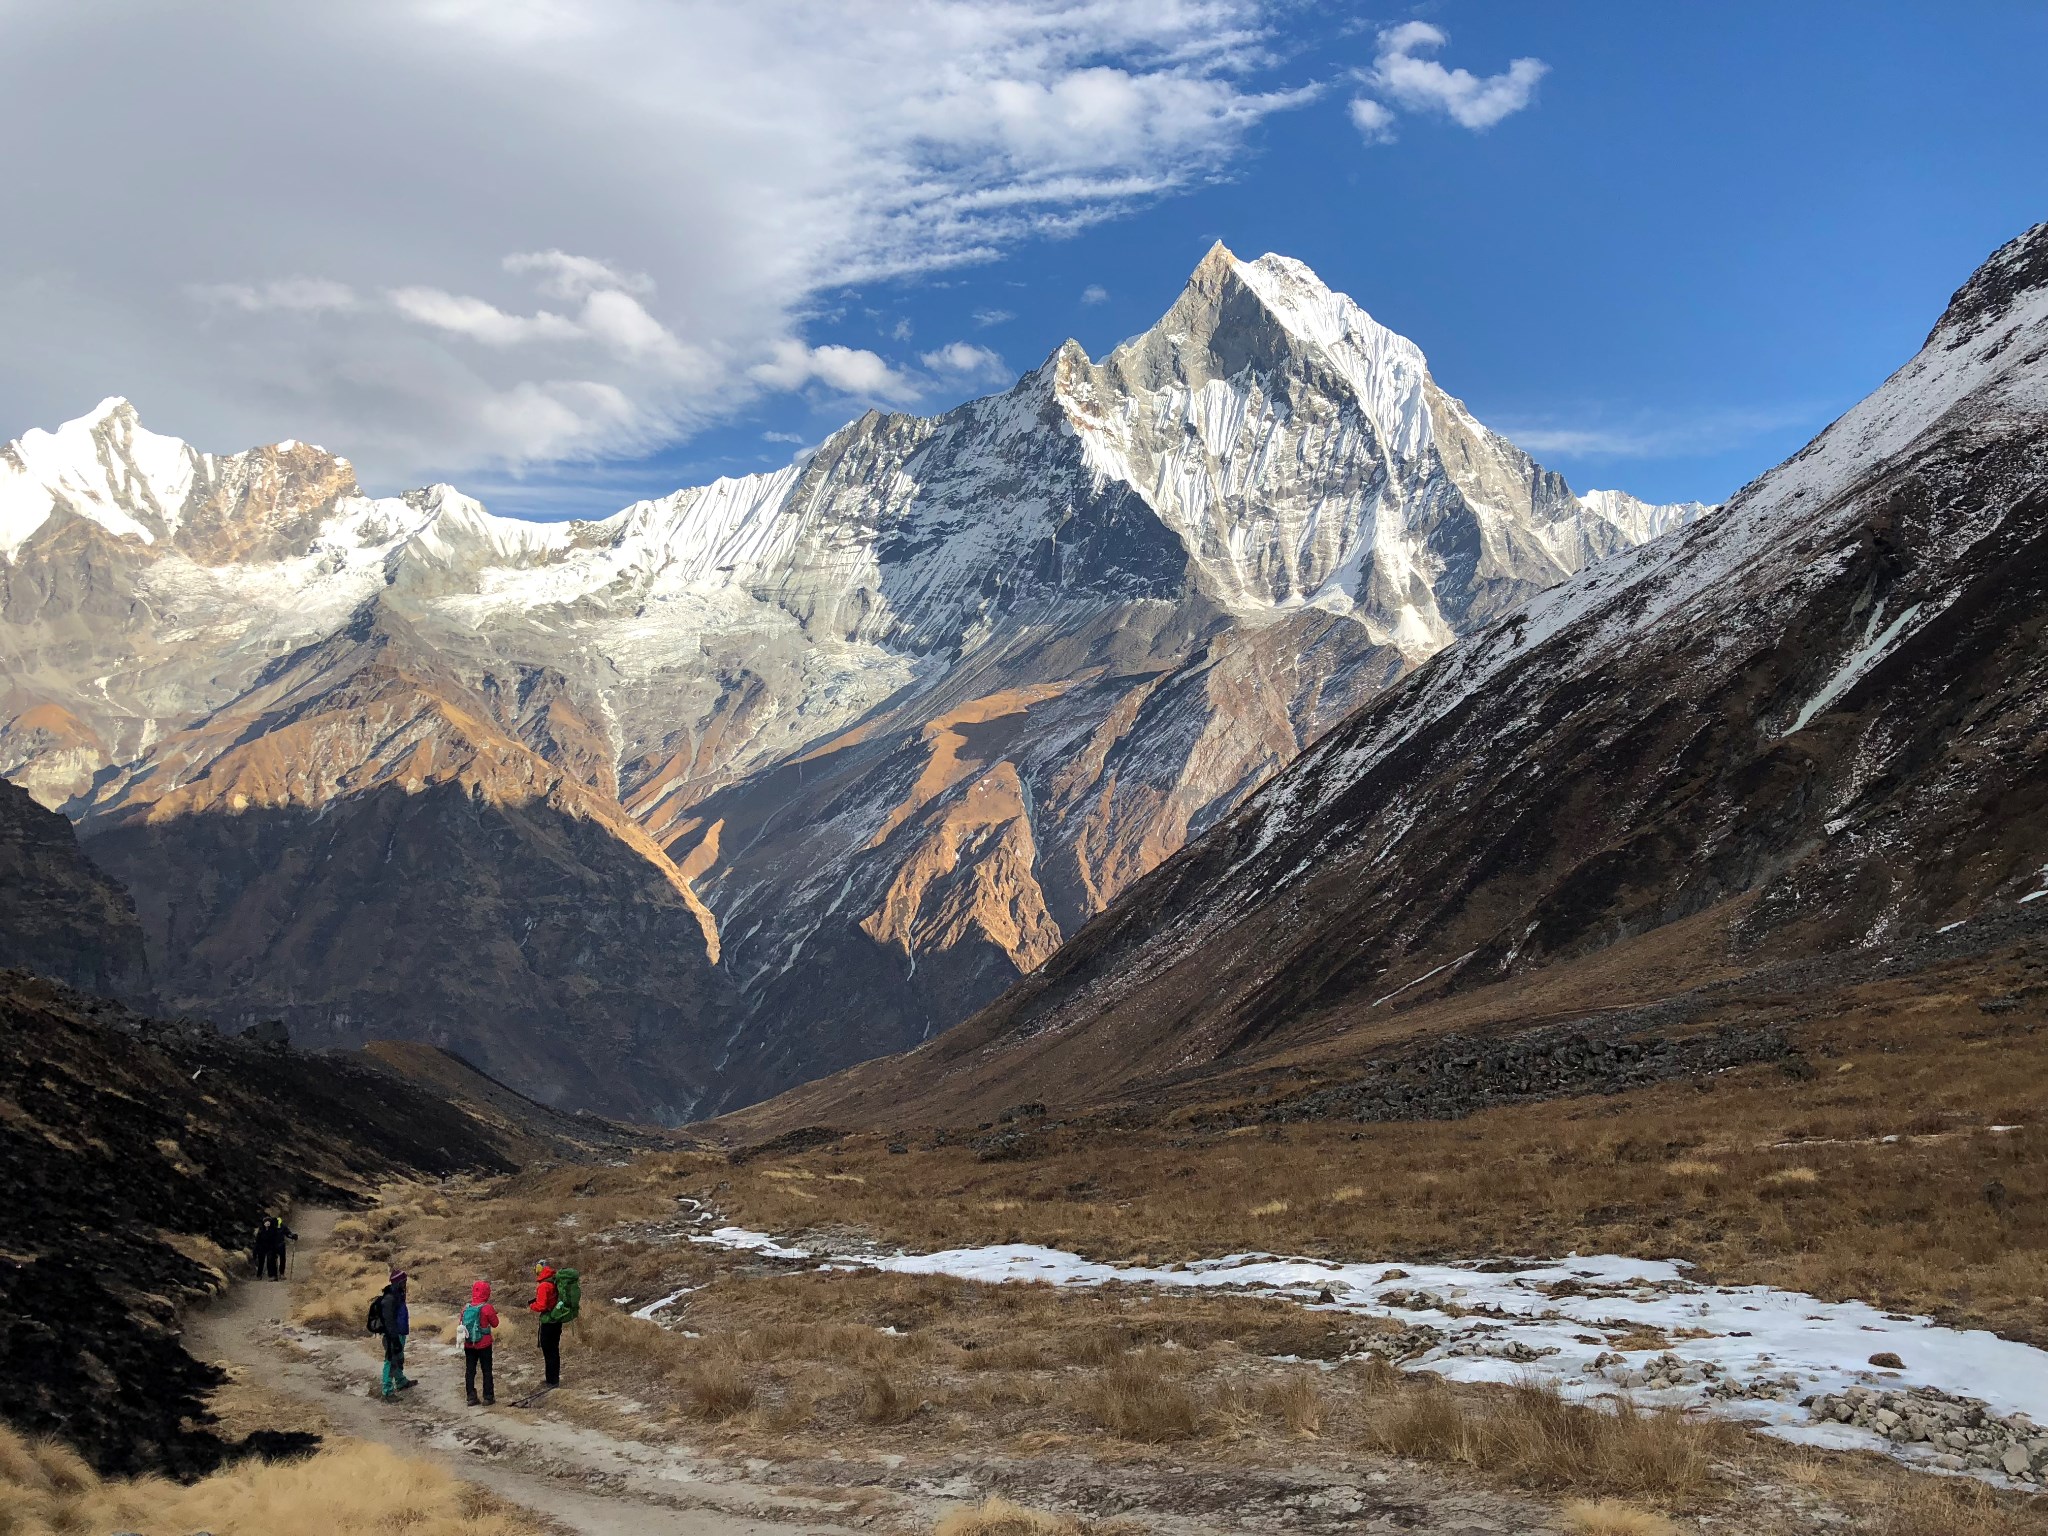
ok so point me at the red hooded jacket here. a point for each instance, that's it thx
(486, 1315)
(543, 1291)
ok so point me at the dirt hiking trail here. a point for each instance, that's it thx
(578, 1479)
(584, 1480)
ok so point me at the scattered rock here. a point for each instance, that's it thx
(1959, 1430)
(1884, 1359)
(805, 1138)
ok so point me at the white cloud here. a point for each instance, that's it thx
(987, 317)
(846, 370)
(962, 362)
(1373, 119)
(670, 237)
(782, 437)
(1095, 293)
(478, 320)
(564, 276)
(1424, 85)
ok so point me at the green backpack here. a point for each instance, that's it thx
(568, 1297)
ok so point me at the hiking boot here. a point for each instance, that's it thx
(407, 1385)
(475, 1401)
(490, 1402)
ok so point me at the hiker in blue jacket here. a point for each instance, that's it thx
(391, 1317)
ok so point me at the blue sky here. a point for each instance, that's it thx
(566, 257)
(1715, 229)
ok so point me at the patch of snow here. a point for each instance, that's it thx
(1762, 1348)
(646, 1313)
(1867, 655)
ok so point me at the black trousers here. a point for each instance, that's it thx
(473, 1361)
(551, 1351)
(270, 1263)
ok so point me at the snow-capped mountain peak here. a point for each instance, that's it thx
(102, 465)
(912, 708)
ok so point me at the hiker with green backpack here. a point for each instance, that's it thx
(557, 1297)
(479, 1319)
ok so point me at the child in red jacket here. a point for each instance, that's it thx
(478, 1319)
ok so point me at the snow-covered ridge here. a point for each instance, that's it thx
(1386, 371)
(103, 465)
(2001, 381)
(1261, 500)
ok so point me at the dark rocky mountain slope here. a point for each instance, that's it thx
(1815, 724)
(123, 1138)
(60, 915)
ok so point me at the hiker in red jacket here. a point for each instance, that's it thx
(479, 1318)
(545, 1299)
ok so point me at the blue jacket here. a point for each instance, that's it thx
(397, 1316)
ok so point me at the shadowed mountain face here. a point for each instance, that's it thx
(1812, 724)
(60, 916)
(664, 813)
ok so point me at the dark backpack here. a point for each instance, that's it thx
(374, 1323)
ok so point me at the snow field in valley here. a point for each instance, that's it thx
(1751, 1353)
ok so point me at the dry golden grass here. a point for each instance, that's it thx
(1922, 1506)
(1296, 1401)
(1756, 1175)
(717, 1387)
(350, 1489)
(806, 1363)
(885, 1400)
(1610, 1517)
(1798, 1175)
(1136, 1399)
(1530, 1436)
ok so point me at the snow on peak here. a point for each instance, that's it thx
(1385, 370)
(112, 406)
(102, 465)
(1641, 520)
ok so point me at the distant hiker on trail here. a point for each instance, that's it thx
(478, 1319)
(271, 1236)
(390, 1316)
(557, 1297)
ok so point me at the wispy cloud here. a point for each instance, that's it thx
(304, 295)
(988, 317)
(1415, 84)
(908, 139)
(1643, 438)
(1095, 293)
